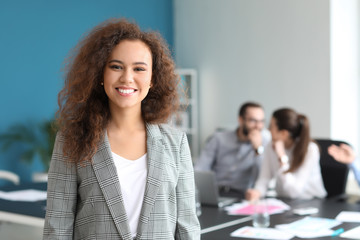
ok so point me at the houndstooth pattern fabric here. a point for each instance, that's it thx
(85, 201)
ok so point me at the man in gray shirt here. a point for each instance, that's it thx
(235, 156)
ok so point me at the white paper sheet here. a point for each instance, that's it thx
(261, 233)
(28, 195)
(352, 233)
(310, 227)
(347, 216)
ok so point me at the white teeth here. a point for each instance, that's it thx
(126, 91)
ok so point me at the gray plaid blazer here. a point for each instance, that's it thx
(85, 201)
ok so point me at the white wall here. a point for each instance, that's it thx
(274, 52)
(345, 74)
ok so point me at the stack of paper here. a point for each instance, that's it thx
(261, 233)
(310, 227)
(352, 234)
(247, 208)
(347, 216)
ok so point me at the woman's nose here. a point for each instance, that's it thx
(127, 76)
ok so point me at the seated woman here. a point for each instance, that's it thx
(292, 159)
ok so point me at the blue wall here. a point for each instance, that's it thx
(35, 38)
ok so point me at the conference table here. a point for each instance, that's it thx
(216, 224)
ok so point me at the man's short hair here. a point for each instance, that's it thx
(246, 105)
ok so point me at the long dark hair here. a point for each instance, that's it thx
(299, 128)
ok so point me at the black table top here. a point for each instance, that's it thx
(328, 208)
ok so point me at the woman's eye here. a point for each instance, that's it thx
(117, 67)
(139, 69)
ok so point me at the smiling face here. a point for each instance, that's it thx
(127, 75)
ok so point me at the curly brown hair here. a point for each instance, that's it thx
(83, 104)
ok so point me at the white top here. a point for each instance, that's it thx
(305, 183)
(132, 176)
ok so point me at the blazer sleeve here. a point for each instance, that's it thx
(187, 226)
(61, 195)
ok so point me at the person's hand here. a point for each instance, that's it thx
(279, 148)
(255, 138)
(252, 195)
(343, 153)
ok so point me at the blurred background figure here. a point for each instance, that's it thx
(292, 159)
(345, 154)
(235, 155)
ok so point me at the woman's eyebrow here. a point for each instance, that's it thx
(121, 62)
(140, 63)
(117, 61)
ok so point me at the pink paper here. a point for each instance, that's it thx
(250, 209)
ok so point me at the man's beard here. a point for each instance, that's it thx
(245, 130)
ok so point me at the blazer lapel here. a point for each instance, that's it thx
(106, 175)
(155, 153)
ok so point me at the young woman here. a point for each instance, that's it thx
(117, 171)
(292, 159)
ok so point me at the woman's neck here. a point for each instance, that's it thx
(126, 120)
(127, 134)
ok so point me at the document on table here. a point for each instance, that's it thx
(310, 227)
(352, 233)
(247, 208)
(347, 216)
(261, 233)
(28, 195)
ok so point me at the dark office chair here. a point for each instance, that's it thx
(334, 173)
